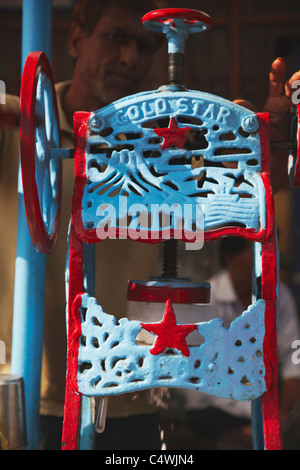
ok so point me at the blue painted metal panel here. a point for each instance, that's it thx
(87, 425)
(125, 156)
(229, 364)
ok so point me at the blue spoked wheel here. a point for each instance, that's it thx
(39, 133)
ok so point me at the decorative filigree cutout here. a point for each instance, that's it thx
(229, 363)
(174, 148)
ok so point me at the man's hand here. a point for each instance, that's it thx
(280, 94)
(278, 105)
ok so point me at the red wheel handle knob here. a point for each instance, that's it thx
(196, 20)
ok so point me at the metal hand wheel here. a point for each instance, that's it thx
(176, 24)
(170, 19)
(39, 133)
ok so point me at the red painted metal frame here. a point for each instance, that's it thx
(267, 237)
(72, 396)
(36, 63)
(269, 400)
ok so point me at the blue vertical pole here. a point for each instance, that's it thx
(30, 267)
(256, 411)
(87, 425)
(257, 425)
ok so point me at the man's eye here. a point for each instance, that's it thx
(146, 47)
(116, 38)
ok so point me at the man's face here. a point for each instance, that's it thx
(112, 62)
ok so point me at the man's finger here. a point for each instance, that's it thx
(276, 78)
(292, 84)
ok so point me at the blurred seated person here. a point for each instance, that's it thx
(226, 424)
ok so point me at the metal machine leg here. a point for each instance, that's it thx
(28, 313)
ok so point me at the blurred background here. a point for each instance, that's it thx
(232, 60)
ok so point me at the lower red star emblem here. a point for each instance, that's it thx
(173, 135)
(169, 333)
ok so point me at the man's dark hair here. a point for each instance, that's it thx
(232, 246)
(87, 13)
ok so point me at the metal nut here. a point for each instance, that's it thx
(96, 123)
(250, 123)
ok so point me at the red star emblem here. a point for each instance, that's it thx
(173, 135)
(169, 333)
